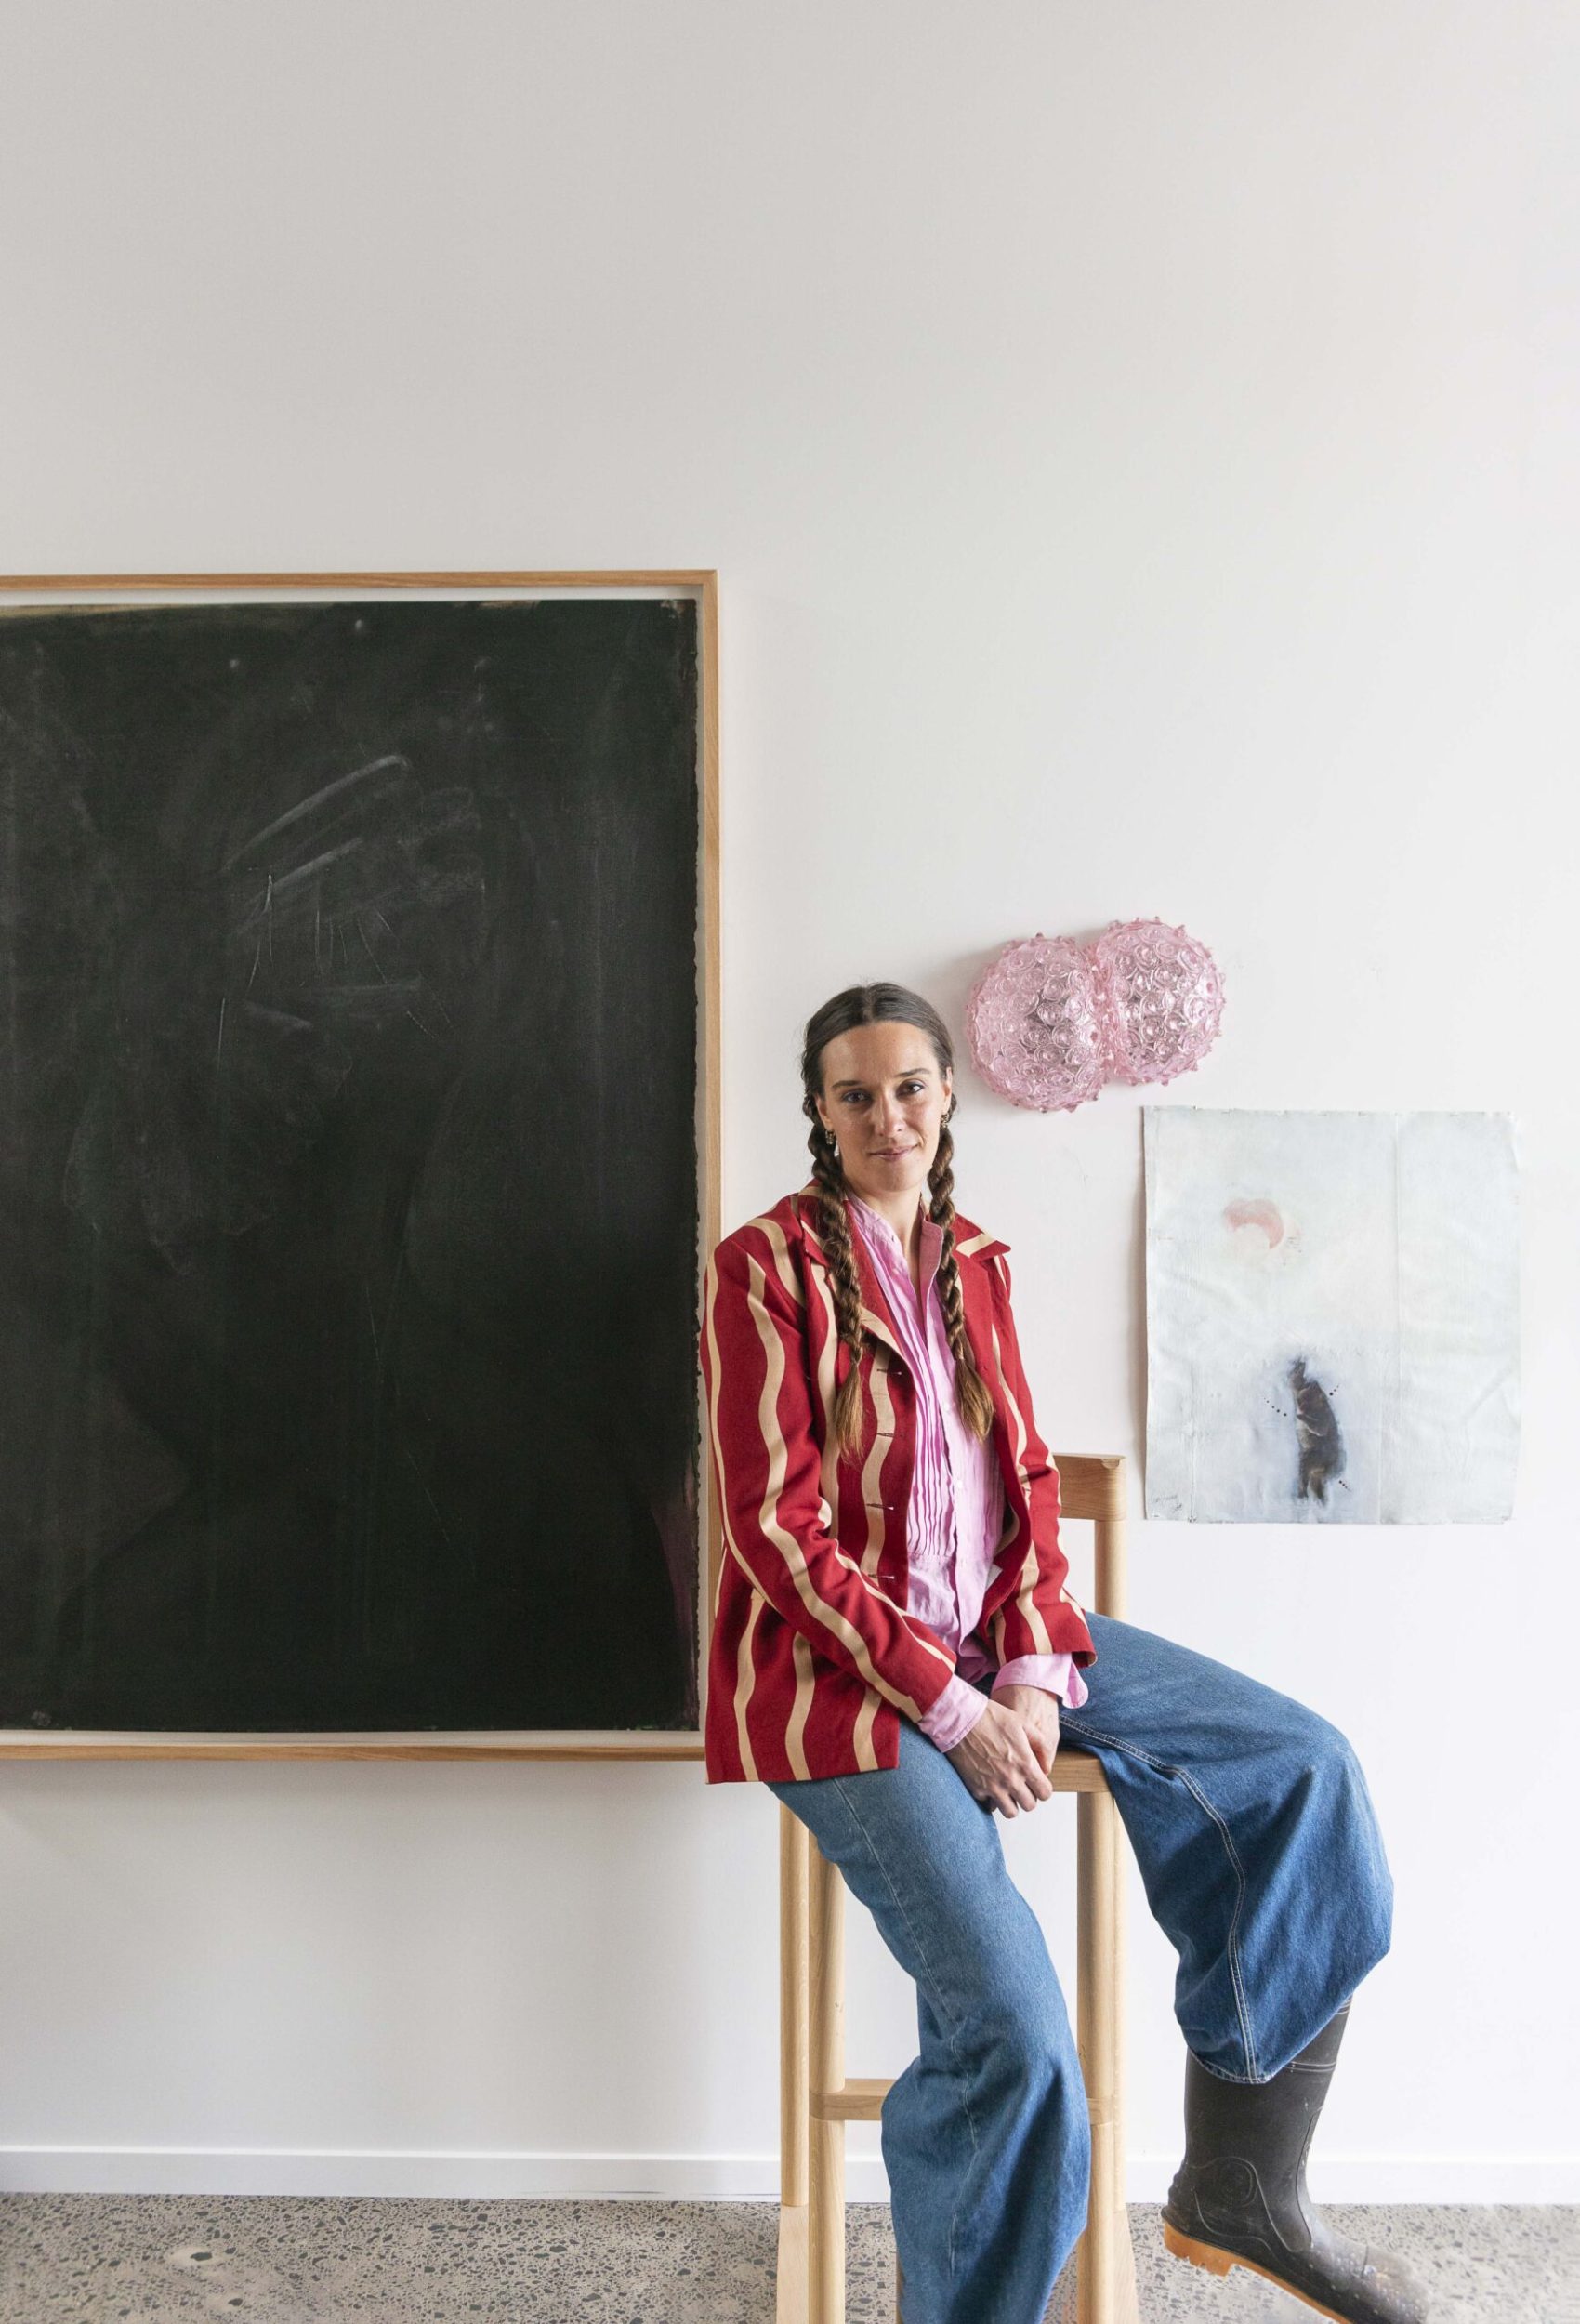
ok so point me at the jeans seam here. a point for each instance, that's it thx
(1078, 1727)
(926, 1964)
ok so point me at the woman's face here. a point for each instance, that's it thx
(885, 1100)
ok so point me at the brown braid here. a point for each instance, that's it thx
(868, 1004)
(970, 1391)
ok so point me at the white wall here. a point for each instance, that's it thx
(1138, 445)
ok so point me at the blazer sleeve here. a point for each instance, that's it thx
(768, 1468)
(1043, 1617)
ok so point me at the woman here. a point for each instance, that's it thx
(893, 1642)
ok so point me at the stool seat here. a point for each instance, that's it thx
(816, 2096)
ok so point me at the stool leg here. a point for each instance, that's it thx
(825, 2255)
(790, 2282)
(1105, 2262)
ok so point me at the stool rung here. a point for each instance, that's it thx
(859, 2099)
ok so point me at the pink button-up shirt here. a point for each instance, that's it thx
(956, 1513)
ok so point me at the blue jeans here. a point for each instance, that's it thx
(1261, 1859)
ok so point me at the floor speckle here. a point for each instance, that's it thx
(155, 2259)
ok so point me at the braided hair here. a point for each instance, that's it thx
(871, 1004)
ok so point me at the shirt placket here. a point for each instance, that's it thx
(938, 1361)
(914, 1311)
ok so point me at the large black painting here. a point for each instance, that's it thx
(349, 1201)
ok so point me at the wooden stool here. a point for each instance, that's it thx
(816, 2097)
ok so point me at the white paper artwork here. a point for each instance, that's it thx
(1333, 1317)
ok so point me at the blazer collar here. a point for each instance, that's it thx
(972, 1250)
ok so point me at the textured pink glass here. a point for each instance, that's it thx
(1050, 1021)
(1163, 999)
(1034, 1022)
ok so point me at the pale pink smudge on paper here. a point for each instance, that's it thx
(1255, 1213)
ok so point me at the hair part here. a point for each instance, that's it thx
(876, 1004)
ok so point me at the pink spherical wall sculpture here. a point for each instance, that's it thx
(1048, 1021)
(1034, 1022)
(1163, 999)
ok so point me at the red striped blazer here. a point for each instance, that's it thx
(812, 1660)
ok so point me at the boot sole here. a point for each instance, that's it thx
(1217, 2262)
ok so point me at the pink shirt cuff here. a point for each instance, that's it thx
(959, 1707)
(954, 1714)
(1056, 1674)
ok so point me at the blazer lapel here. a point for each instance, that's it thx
(877, 1314)
(976, 1300)
(971, 1250)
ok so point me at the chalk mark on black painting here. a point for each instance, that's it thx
(145, 1142)
(306, 806)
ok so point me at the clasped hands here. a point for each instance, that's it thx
(1006, 1759)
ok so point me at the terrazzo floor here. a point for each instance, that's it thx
(151, 2259)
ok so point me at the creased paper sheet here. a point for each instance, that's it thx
(1333, 1317)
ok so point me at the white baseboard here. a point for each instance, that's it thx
(693, 2178)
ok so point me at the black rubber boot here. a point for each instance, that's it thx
(1239, 2198)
